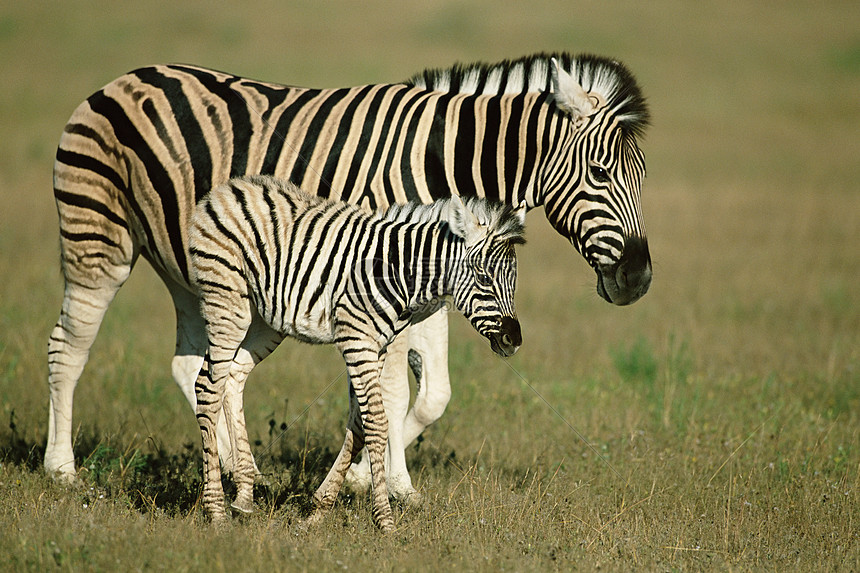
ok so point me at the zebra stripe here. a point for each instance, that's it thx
(135, 157)
(260, 244)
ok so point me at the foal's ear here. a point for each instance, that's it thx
(520, 213)
(463, 222)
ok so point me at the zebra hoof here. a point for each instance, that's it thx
(64, 477)
(410, 498)
(386, 525)
(312, 520)
(218, 518)
(242, 509)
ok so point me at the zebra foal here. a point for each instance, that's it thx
(329, 273)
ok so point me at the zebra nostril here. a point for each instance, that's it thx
(506, 340)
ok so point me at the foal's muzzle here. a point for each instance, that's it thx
(508, 339)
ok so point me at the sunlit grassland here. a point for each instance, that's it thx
(713, 424)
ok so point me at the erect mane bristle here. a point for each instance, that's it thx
(607, 77)
(414, 212)
(500, 218)
(503, 222)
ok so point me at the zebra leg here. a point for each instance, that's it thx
(68, 350)
(233, 412)
(395, 393)
(210, 394)
(429, 341)
(227, 312)
(394, 382)
(353, 442)
(188, 359)
(364, 367)
(260, 341)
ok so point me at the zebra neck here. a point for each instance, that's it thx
(496, 146)
(431, 270)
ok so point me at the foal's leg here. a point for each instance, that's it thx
(326, 493)
(228, 316)
(364, 363)
(395, 394)
(427, 344)
(188, 359)
(209, 396)
(260, 341)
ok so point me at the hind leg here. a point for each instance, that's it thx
(428, 357)
(68, 351)
(191, 345)
(228, 317)
(260, 341)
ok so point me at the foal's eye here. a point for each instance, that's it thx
(483, 279)
(599, 174)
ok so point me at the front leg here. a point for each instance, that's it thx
(364, 363)
(429, 339)
(326, 494)
(395, 392)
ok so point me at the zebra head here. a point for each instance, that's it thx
(487, 272)
(591, 186)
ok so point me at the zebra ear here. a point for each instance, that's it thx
(569, 95)
(463, 222)
(520, 213)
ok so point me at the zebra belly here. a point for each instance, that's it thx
(315, 326)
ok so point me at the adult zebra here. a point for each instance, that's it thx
(329, 273)
(558, 131)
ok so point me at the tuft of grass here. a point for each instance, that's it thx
(664, 381)
(636, 363)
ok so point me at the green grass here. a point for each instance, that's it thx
(712, 425)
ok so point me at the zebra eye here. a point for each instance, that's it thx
(599, 174)
(483, 279)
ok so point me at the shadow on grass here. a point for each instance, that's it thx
(149, 478)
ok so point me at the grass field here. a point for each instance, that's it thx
(712, 425)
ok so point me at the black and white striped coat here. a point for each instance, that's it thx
(558, 131)
(330, 273)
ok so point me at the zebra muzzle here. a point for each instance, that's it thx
(508, 339)
(628, 280)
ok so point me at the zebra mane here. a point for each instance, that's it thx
(500, 218)
(604, 76)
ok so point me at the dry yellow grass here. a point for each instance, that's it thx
(720, 411)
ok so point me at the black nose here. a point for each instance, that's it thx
(627, 280)
(509, 338)
(634, 268)
(511, 333)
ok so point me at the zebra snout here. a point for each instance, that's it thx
(508, 339)
(628, 280)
